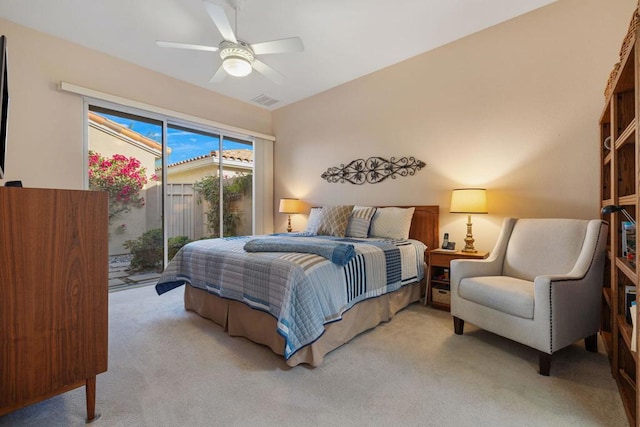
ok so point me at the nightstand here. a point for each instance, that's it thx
(438, 288)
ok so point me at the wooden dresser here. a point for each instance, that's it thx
(53, 294)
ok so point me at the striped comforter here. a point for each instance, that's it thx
(302, 291)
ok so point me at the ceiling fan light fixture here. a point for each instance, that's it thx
(236, 58)
(237, 66)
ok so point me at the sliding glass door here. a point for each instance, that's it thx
(169, 183)
(209, 184)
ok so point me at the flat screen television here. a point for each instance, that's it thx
(4, 104)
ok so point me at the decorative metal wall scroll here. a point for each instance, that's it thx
(373, 170)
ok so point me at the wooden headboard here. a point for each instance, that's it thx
(425, 225)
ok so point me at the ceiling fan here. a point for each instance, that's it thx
(238, 57)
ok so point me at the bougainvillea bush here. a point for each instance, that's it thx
(122, 177)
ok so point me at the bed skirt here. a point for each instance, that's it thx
(239, 320)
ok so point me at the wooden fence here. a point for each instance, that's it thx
(185, 216)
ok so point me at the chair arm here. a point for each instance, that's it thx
(593, 248)
(492, 266)
(567, 293)
(542, 284)
(463, 268)
(588, 266)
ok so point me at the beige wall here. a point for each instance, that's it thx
(514, 108)
(45, 145)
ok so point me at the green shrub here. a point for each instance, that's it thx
(175, 243)
(147, 249)
(208, 189)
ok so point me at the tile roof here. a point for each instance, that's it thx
(123, 130)
(238, 155)
(241, 155)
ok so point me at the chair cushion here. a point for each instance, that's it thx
(543, 246)
(502, 293)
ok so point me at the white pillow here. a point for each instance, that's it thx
(315, 216)
(391, 223)
(360, 221)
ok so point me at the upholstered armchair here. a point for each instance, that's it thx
(541, 285)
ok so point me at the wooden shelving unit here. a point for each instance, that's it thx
(619, 186)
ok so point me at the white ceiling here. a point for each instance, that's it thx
(343, 39)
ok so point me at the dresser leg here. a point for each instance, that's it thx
(91, 400)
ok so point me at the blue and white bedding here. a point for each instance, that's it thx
(303, 291)
(337, 252)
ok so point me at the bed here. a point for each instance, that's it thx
(304, 305)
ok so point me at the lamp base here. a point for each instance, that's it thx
(468, 240)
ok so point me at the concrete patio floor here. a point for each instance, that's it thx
(120, 278)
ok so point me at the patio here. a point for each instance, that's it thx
(120, 278)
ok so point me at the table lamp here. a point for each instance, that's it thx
(469, 201)
(290, 206)
(613, 208)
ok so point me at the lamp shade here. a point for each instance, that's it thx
(290, 206)
(469, 201)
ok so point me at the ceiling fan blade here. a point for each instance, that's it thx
(186, 46)
(268, 72)
(222, 22)
(219, 75)
(292, 44)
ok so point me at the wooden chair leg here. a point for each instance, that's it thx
(591, 343)
(545, 363)
(458, 325)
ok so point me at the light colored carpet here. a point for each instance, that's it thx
(169, 367)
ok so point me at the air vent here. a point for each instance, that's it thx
(265, 100)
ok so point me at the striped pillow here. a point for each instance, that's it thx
(334, 220)
(359, 221)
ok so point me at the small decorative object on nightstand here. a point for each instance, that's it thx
(290, 206)
(438, 275)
